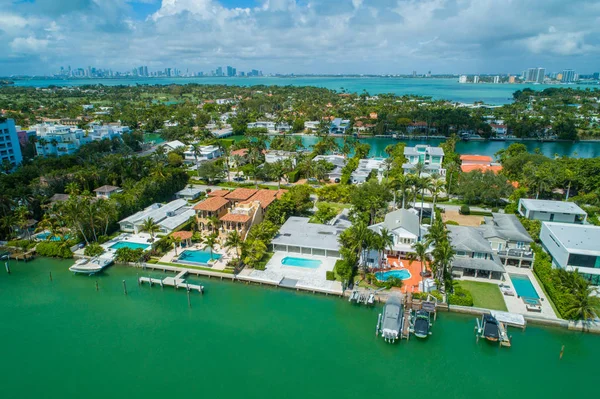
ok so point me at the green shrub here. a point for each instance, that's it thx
(93, 249)
(23, 244)
(293, 176)
(128, 255)
(465, 210)
(343, 269)
(495, 209)
(461, 297)
(330, 275)
(452, 223)
(426, 221)
(54, 250)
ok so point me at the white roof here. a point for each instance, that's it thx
(297, 231)
(577, 238)
(552, 206)
(174, 144)
(157, 212)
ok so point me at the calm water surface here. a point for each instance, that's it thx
(445, 89)
(63, 339)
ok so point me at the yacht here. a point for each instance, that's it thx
(422, 324)
(91, 266)
(391, 322)
(491, 328)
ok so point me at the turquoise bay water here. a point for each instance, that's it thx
(523, 286)
(402, 274)
(63, 339)
(445, 89)
(198, 256)
(301, 262)
(550, 149)
(127, 244)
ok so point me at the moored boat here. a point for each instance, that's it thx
(422, 324)
(391, 319)
(491, 329)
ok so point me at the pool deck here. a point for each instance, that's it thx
(294, 277)
(411, 284)
(219, 265)
(515, 304)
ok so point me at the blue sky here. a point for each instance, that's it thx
(301, 36)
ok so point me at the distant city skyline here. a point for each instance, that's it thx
(288, 36)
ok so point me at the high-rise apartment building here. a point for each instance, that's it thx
(231, 71)
(10, 149)
(219, 71)
(568, 76)
(496, 79)
(462, 79)
(535, 75)
(475, 79)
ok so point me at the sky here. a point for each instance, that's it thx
(301, 36)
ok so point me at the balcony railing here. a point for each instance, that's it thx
(517, 253)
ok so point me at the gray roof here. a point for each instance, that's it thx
(505, 226)
(468, 239)
(552, 206)
(401, 218)
(438, 151)
(189, 191)
(179, 217)
(337, 160)
(488, 265)
(297, 231)
(581, 239)
(432, 166)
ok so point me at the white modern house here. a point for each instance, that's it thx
(365, 167)
(10, 149)
(403, 225)
(339, 126)
(338, 161)
(552, 211)
(100, 132)
(205, 153)
(273, 156)
(167, 216)
(299, 236)
(573, 247)
(58, 140)
(430, 157)
(311, 126)
(271, 127)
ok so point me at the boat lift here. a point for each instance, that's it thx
(503, 340)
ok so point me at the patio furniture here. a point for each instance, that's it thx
(533, 308)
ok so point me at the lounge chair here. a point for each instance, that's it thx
(533, 308)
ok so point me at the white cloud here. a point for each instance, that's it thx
(316, 36)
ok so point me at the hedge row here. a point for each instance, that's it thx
(542, 267)
(54, 250)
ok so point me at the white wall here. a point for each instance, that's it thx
(559, 253)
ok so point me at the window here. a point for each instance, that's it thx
(520, 244)
(479, 255)
(499, 246)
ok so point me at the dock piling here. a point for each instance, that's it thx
(97, 285)
(124, 287)
(189, 299)
(7, 267)
(562, 351)
(51, 276)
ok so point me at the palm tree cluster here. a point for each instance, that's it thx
(442, 254)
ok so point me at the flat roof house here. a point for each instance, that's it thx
(573, 247)
(167, 216)
(430, 157)
(473, 254)
(204, 153)
(299, 236)
(107, 191)
(552, 211)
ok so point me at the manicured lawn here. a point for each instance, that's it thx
(485, 295)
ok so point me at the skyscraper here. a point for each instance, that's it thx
(231, 71)
(10, 149)
(541, 74)
(476, 79)
(568, 76)
(535, 75)
(219, 71)
(496, 79)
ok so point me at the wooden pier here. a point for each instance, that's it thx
(177, 282)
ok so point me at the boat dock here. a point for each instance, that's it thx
(177, 282)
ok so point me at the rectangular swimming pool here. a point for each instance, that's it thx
(201, 256)
(301, 262)
(131, 245)
(523, 286)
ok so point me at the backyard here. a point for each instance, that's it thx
(485, 295)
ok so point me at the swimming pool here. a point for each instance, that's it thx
(198, 256)
(523, 286)
(131, 245)
(301, 262)
(46, 235)
(401, 274)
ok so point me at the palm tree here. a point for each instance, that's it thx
(584, 305)
(387, 240)
(419, 254)
(442, 256)
(424, 183)
(209, 242)
(569, 175)
(176, 241)
(234, 240)
(149, 226)
(435, 188)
